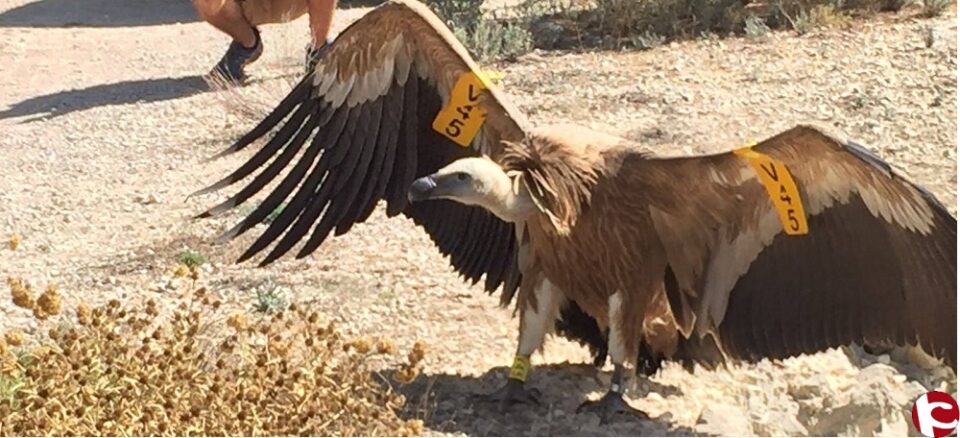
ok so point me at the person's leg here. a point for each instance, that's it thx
(321, 19)
(227, 16)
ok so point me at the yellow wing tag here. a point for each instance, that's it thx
(780, 187)
(520, 368)
(462, 118)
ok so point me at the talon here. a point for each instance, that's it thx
(610, 405)
(514, 392)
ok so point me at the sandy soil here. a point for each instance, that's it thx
(106, 124)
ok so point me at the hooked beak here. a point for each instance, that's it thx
(422, 188)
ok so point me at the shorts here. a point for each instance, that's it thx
(272, 11)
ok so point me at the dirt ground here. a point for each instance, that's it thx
(105, 124)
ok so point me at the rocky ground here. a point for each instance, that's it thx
(106, 124)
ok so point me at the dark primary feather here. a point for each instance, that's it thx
(300, 207)
(407, 158)
(276, 143)
(276, 198)
(280, 141)
(386, 147)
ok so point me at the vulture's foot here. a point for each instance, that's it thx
(514, 392)
(609, 406)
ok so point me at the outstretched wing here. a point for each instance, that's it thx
(362, 127)
(877, 263)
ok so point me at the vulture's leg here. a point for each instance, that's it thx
(612, 403)
(536, 316)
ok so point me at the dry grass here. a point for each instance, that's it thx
(252, 102)
(130, 370)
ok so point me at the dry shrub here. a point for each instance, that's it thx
(935, 8)
(691, 18)
(131, 370)
(621, 23)
(818, 17)
(487, 37)
(669, 18)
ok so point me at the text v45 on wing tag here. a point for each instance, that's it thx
(781, 188)
(462, 118)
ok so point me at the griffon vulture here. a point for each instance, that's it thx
(798, 244)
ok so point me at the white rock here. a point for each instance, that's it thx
(877, 404)
(811, 387)
(724, 420)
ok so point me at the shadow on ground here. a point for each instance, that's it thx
(457, 404)
(119, 93)
(99, 13)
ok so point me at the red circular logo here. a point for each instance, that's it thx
(935, 414)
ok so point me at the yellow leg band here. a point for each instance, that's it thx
(520, 368)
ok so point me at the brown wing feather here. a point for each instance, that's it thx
(362, 127)
(878, 264)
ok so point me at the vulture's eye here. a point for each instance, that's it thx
(462, 176)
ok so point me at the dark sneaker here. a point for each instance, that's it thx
(315, 54)
(230, 67)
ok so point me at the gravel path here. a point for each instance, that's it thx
(105, 125)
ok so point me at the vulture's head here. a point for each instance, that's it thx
(475, 181)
